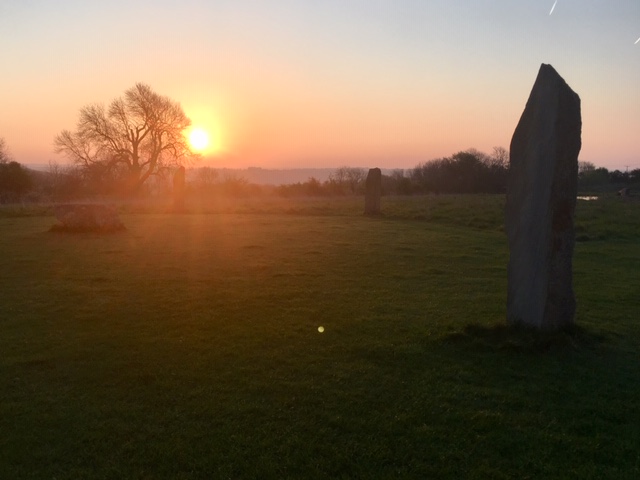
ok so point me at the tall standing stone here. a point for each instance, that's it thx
(373, 192)
(179, 189)
(541, 200)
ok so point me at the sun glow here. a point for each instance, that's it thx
(198, 139)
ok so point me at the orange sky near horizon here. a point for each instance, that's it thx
(295, 84)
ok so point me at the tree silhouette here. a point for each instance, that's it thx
(139, 135)
(348, 179)
(15, 180)
(469, 171)
(4, 154)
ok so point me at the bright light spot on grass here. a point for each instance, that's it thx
(321, 329)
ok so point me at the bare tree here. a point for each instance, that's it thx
(15, 180)
(348, 178)
(499, 158)
(4, 154)
(140, 133)
(356, 178)
(205, 178)
(585, 168)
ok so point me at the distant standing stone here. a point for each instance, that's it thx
(541, 200)
(373, 192)
(179, 189)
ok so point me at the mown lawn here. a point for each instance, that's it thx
(188, 346)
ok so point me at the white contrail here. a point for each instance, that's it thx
(554, 6)
(638, 40)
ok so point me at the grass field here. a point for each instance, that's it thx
(188, 346)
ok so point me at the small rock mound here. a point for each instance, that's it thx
(87, 218)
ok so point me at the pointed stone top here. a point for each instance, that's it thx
(547, 68)
(548, 74)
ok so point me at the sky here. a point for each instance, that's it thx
(310, 83)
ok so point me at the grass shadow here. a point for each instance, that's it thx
(522, 339)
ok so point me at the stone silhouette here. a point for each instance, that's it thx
(179, 189)
(541, 200)
(87, 217)
(373, 192)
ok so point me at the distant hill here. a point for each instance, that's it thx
(264, 176)
(257, 175)
(40, 167)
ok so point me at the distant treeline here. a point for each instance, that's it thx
(469, 171)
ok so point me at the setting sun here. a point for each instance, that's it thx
(199, 139)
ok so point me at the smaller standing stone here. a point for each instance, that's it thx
(179, 189)
(373, 192)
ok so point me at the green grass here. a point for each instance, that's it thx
(188, 346)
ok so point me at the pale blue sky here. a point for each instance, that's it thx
(325, 83)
